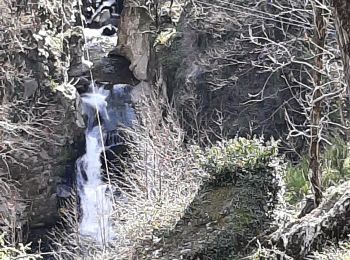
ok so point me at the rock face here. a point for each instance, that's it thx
(183, 51)
(105, 66)
(330, 221)
(210, 65)
(135, 39)
(38, 109)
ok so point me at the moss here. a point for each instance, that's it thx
(217, 200)
(65, 156)
(67, 153)
(243, 217)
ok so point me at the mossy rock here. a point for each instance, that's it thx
(232, 206)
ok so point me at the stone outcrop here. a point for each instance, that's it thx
(37, 107)
(143, 28)
(135, 39)
(236, 204)
(330, 221)
(105, 66)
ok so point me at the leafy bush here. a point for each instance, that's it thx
(336, 163)
(228, 155)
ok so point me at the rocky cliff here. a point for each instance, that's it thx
(38, 107)
(207, 64)
(194, 59)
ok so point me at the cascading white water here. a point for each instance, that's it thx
(95, 195)
(95, 201)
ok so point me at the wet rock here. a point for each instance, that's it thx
(114, 70)
(63, 191)
(30, 86)
(120, 110)
(103, 18)
(106, 65)
(107, 12)
(109, 30)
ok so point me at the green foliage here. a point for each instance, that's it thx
(238, 153)
(336, 163)
(335, 168)
(296, 180)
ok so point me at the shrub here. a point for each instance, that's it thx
(18, 252)
(335, 167)
(228, 155)
(296, 179)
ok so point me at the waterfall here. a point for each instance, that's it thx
(96, 203)
(114, 110)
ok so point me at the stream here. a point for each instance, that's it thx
(107, 106)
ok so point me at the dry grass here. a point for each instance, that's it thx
(156, 181)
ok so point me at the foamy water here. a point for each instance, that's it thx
(95, 200)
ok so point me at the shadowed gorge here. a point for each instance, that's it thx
(174, 129)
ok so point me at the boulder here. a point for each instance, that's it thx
(330, 221)
(135, 39)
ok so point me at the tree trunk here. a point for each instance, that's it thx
(319, 41)
(342, 18)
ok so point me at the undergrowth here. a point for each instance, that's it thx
(335, 168)
(20, 251)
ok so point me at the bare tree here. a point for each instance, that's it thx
(290, 40)
(342, 18)
(316, 109)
